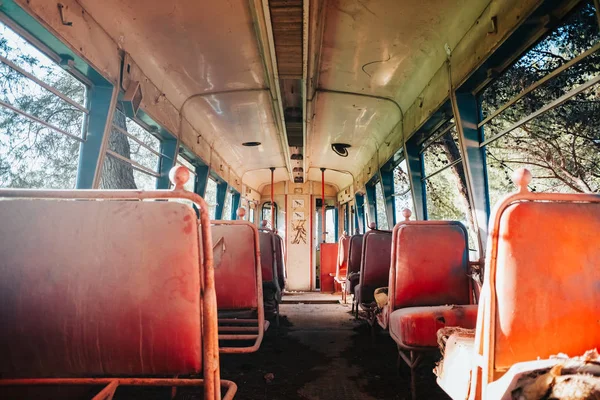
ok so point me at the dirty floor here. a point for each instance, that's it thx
(320, 352)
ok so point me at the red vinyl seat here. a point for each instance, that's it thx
(239, 285)
(107, 289)
(374, 268)
(354, 257)
(429, 286)
(273, 271)
(416, 327)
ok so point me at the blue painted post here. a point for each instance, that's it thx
(90, 151)
(371, 203)
(414, 162)
(387, 184)
(466, 112)
(202, 179)
(235, 204)
(360, 212)
(169, 150)
(221, 193)
(336, 221)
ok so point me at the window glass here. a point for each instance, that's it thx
(402, 194)
(445, 181)
(132, 158)
(266, 214)
(42, 117)
(227, 206)
(443, 150)
(447, 200)
(211, 197)
(560, 145)
(382, 222)
(578, 33)
(330, 225)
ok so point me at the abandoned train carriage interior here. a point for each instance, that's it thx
(300, 199)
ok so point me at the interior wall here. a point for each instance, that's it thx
(299, 242)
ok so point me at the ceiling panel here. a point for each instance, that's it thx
(390, 48)
(363, 122)
(230, 119)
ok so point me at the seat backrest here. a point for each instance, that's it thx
(280, 261)
(355, 253)
(430, 265)
(235, 248)
(342, 262)
(267, 259)
(99, 288)
(545, 267)
(375, 263)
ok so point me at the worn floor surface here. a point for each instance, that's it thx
(321, 353)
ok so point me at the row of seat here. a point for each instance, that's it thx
(273, 270)
(539, 298)
(98, 289)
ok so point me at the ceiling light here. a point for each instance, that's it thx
(341, 149)
(251, 144)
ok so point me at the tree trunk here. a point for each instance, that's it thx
(117, 174)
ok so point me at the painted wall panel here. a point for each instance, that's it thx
(298, 242)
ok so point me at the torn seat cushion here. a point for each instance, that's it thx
(454, 370)
(416, 327)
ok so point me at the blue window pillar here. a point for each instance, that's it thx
(221, 193)
(235, 204)
(466, 113)
(336, 223)
(360, 212)
(414, 162)
(169, 150)
(387, 184)
(202, 179)
(371, 204)
(102, 101)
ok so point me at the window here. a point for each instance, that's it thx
(251, 216)
(227, 206)
(43, 112)
(402, 194)
(445, 181)
(211, 197)
(382, 222)
(133, 156)
(266, 214)
(330, 225)
(560, 143)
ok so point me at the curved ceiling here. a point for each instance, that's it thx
(186, 48)
(365, 62)
(380, 48)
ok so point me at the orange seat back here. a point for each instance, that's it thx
(355, 253)
(430, 264)
(280, 261)
(375, 264)
(542, 281)
(547, 281)
(238, 276)
(267, 259)
(342, 261)
(99, 288)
